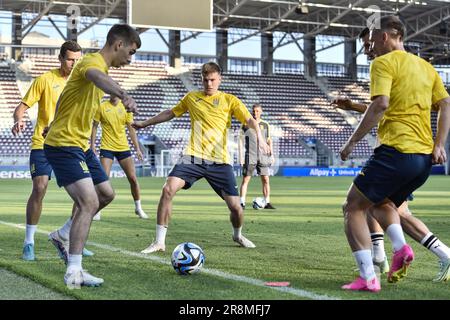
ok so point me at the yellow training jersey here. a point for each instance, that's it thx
(210, 121)
(78, 104)
(113, 120)
(413, 85)
(44, 90)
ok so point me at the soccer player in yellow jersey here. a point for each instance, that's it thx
(44, 90)
(113, 118)
(66, 145)
(206, 155)
(403, 88)
(411, 225)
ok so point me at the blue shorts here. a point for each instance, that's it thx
(39, 165)
(392, 174)
(71, 164)
(220, 176)
(120, 155)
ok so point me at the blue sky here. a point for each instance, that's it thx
(202, 44)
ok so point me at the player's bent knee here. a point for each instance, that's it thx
(168, 193)
(39, 190)
(90, 204)
(132, 179)
(236, 210)
(107, 197)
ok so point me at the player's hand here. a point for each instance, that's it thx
(439, 155)
(18, 127)
(346, 149)
(138, 124)
(94, 150)
(139, 155)
(45, 131)
(129, 104)
(343, 103)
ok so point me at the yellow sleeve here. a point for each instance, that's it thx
(380, 79)
(129, 117)
(90, 64)
(439, 91)
(180, 108)
(239, 110)
(34, 93)
(98, 114)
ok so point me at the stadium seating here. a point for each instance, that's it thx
(296, 108)
(9, 99)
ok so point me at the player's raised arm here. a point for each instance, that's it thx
(370, 119)
(163, 116)
(108, 85)
(345, 103)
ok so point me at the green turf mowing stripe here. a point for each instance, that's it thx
(15, 287)
(215, 272)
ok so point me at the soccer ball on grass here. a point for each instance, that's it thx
(258, 203)
(187, 258)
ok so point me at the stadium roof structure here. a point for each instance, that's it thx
(427, 21)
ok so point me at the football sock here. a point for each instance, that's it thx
(64, 231)
(74, 262)
(267, 200)
(137, 205)
(29, 233)
(243, 200)
(395, 233)
(237, 232)
(378, 253)
(364, 261)
(161, 234)
(432, 243)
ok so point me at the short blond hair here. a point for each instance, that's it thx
(211, 67)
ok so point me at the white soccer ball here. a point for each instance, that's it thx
(187, 258)
(259, 203)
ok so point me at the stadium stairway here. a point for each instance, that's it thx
(331, 92)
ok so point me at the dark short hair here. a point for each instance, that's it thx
(392, 25)
(125, 33)
(211, 67)
(257, 105)
(69, 46)
(364, 32)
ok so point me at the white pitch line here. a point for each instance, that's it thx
(214, 272)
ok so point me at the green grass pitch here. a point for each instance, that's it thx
(302, 242)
